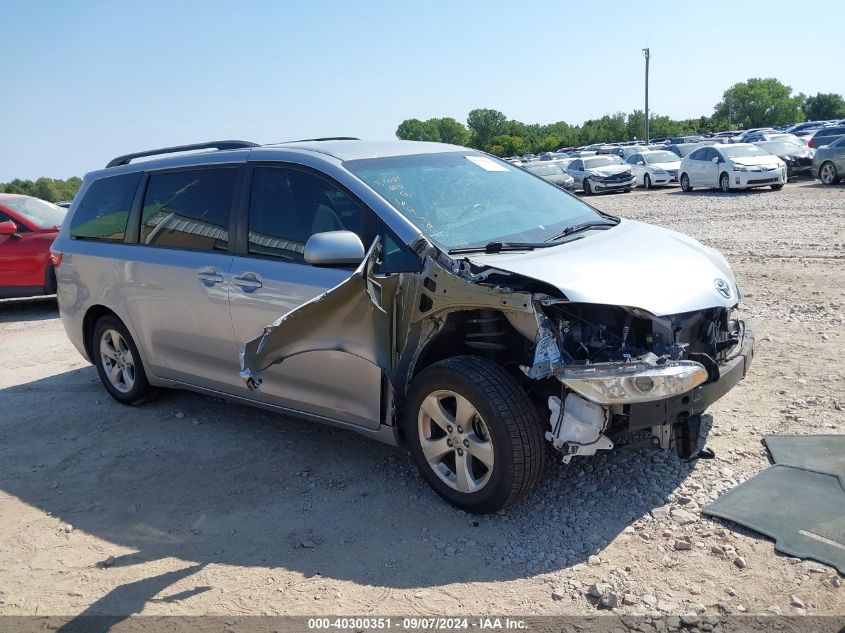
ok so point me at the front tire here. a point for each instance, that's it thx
(777, 187)
(118, 361)
(725, 183)
(685, 186)
(828, 174)
(647, 181)
(474, 434)
(588, 189)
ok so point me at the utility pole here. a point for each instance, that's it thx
(647, 54)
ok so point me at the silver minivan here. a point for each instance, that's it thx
(418, 293)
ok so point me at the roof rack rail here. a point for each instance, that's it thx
(126, 158)
(327, 138)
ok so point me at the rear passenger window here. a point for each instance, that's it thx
(287, 206)
(103, 212)
(189, 209)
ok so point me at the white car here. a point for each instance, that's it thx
(735, 166)
(659, 167)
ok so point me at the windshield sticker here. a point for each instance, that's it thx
(487, 164)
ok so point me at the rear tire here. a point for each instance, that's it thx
(725, 183)
(118, 362)
(685, 186)
(50, 280)
(828, 174)
(492, 421)
(588, 190)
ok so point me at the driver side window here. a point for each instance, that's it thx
(287, 206)
(7, 218)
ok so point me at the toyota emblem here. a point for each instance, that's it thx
(723, 288)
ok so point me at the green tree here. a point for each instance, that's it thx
(416, 130)
(49, 189)
(451, 131)
(484, 125)
(759, 102)
(507, 145)
(824, 106)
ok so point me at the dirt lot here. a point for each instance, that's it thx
(189, 505)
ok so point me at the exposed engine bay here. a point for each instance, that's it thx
(620, 366)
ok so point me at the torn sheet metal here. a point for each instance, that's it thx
(387, 320)
(352, 317)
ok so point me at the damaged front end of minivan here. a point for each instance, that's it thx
(602, 374)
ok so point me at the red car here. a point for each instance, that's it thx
(28, 227)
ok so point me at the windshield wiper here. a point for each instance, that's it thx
(577, 228)
(497, 247)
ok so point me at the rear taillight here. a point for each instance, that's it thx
(56, 258)
(810, 143)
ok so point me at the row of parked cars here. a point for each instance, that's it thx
(766, 157)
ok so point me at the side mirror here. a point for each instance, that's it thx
(639, 162)
(715, 160)
(334, 248)
(8, 228)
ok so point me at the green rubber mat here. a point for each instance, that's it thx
(802, 510)
(821, 453)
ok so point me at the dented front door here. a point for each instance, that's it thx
(318, 339)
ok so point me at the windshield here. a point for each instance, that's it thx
(461, 199)
(42, 214)
(600, 161)
(743, 151)
(782, 147)
(545, 170)
(661, 157)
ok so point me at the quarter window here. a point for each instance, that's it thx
(189, 209)
(103, 212)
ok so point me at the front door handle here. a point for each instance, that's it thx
(247, 282)
(209, 276)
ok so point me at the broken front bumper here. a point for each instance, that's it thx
(678, 408)
(730, 373)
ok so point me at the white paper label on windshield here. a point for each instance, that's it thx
(487, 164)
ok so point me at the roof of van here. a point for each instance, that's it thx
(220, 151)
(355, 149)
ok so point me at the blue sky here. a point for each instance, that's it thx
(85, 81)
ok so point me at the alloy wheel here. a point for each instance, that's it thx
(828, 174)
(117, 360)
(455, 441)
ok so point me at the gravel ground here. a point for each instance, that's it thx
(189, 505)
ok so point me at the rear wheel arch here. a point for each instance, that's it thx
(89, 322)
